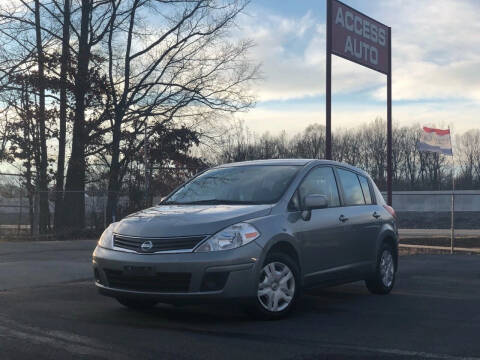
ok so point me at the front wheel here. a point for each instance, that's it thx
(382, 281)
(137, 304)
(277, 289)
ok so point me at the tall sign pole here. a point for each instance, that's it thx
(389, 120)
(357, 37)
(452, 219)
(328, 82)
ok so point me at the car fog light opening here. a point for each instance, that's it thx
(214, 281)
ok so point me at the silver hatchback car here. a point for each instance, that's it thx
(256, 231)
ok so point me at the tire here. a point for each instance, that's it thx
(137, 304)
(383, 280)
(276, 293)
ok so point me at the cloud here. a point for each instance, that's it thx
(292, 53)
(417, 80)
(279, 47)
(442, 31)
(436, 53)
(436, 49)
(296, 119)
(436, 62)
(430, 114)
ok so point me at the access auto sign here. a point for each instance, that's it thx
(359, 38)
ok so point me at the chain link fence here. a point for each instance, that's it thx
(19, 214)
(20, 211)
(424, 217)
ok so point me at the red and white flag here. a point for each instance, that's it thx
(435, 140)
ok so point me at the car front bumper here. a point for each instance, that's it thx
(233, 274)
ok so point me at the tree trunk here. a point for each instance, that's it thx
(27, 135)
(75, 183)
(63, 117)
(42, 176)
(114, 174)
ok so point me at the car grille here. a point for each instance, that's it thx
(158, 282)
(158, 244)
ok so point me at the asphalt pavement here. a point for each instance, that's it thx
(49, 309)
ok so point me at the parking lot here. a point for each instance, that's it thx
(49, 308)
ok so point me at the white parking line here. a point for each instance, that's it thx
(398, 352)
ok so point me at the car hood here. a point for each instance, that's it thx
(187, 220)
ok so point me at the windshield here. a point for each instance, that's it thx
(255, 184)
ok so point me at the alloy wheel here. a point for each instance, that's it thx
(387, 268)
(276, 288)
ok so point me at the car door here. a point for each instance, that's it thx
(373, 220)
(321, 237)
(361, 225)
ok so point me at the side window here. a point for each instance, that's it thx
(351, 188)
(320, 181)
(366, 190)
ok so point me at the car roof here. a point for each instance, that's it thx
(297, 162)
(292, 162)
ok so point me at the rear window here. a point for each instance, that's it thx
(378, 195)
(351, 188)
(366, 190)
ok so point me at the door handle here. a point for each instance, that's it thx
(376, 215)
(343, 218)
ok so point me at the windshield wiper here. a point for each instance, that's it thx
(212, 202)
(168, 203)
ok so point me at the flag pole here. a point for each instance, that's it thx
(452, 234)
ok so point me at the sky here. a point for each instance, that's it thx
(435, 65)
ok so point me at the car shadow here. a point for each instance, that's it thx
(314, 301)
(331, 300)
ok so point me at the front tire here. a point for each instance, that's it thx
(383, 280)
(278, 287)
(137, 304)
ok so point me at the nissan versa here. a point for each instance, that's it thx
(257, 231)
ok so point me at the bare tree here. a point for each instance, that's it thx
(183, 69)
(364, 147)
(62, 133)
(468, 150)
(23, 69)
(44, 219)
(94, 21)
(107, 70)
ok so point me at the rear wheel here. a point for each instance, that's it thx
(137, 304)
(382, 281)
(277, 288)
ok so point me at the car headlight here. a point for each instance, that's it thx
(106, 240)
(230, 238)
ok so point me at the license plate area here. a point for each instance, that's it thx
(132, 270)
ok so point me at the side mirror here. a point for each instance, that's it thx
(315, 201)
(311, 202)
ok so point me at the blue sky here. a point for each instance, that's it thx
(436, 65)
